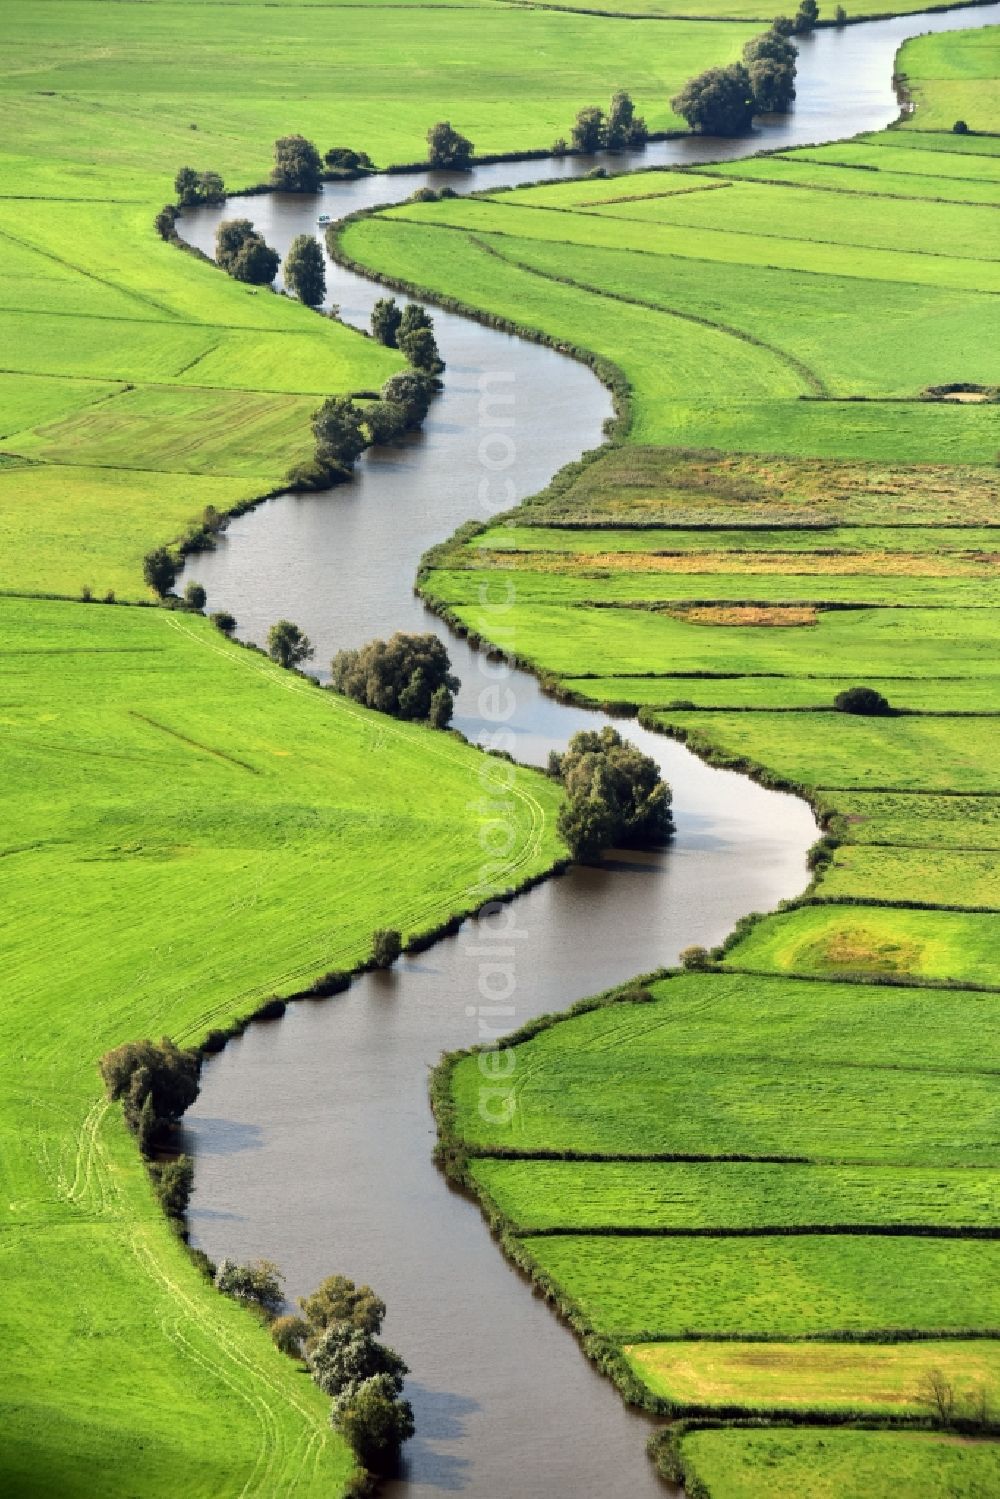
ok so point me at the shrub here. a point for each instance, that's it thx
(195, 596)
(386, 947)
(159, 570)
(412, 317)
(375, 1422)
(343, 159)
(960, 128)
(337, 428)
(258, 1284)
(840, 16)
(559, 146)
(224, 621)
(86, 594)
(862, 700)
(717, 102)
(783, 26)
(385, 421)
(385, 320)
(166, 221)
(695, 959)
(806, 16)
(411, 392)
(194, 187)
(287, 645)
(402, 676)
(305, 270)
(172, 1183)
(446, 148)
(289, 1333)
(297, 165)
(420, 348)
(338, 1299)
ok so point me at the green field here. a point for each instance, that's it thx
(825, 1465)
(872, 1377)
(635, 1290)
(163, 785)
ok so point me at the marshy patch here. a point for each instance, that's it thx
(964, 392)
(779, 616)
(861, 950)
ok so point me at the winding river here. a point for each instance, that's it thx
(313, 1136)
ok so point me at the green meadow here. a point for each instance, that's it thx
(817, 1464)
(171, 796)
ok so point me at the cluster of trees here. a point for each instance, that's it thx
(336, 1334)
(298, 166)
(343, 430)
(621, 129)
(241, 251)
(193, 187)
(408, 676)
(409, 329)
(447, 149)
(341, 159)
(723, 101)
(156, 1081)
(949, 1407)
(615, 794)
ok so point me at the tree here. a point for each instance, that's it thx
(783, 26)
(198, 187)
(862, 700)
(195, 596)
(399, 676)
(297, 165)
(625, 130)
(446, 148)
(385, 421)
(288, 1334)
(343, 159)
(588, 130)
(258, 1284)
(769, 44)
(937, 1391)
(717, 102)
(695, 959)
(254, 262)
(412, 318)
(806, 16)
(173, 1182)
(441, 709)
(305, 271)
(375, 1422)
(411, 392)
(344, 1355)
(229, 240)
(386, 947)
(960, 128)
(337, 428)
(157, 1070)
(287, 645)
(224, 621)
(840, 16)
(772, 84)
(338, 1299)
(420, 348)
(159, 570)
(211, 187)
(615, 793)
(385, 321)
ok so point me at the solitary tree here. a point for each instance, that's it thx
(588, 130)
(615, 793)
(375, 1422)
(717, 102)
(254, 262)
(224, 621)
(297, 165)
(446, 147)
(840, 16)
(195, 596)
(960, 128)
(386, 318)
(414, 317)
(338, 429)
(420, 348)
(166, 221)
(305, 271)
(338, 1299)
(287, 645)
(229, 239)
(862, 700)
(625, 130)
(159, 570)
(806, 16)
(186, 186)
(937, 1391)
(258, 1284)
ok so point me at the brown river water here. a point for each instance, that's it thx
(312, 1135)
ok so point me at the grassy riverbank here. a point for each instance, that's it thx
(791, 511)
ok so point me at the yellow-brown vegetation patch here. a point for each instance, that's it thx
(748, 614)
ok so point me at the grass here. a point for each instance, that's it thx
(627, 1288)
(747, 1065)
(954, 822)
(849, 939)
(728, 1195)
(153, 768)
(928, 875)
(953, 80)
(874, 1378)
(827, 1465)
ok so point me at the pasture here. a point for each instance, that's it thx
(172, 796)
